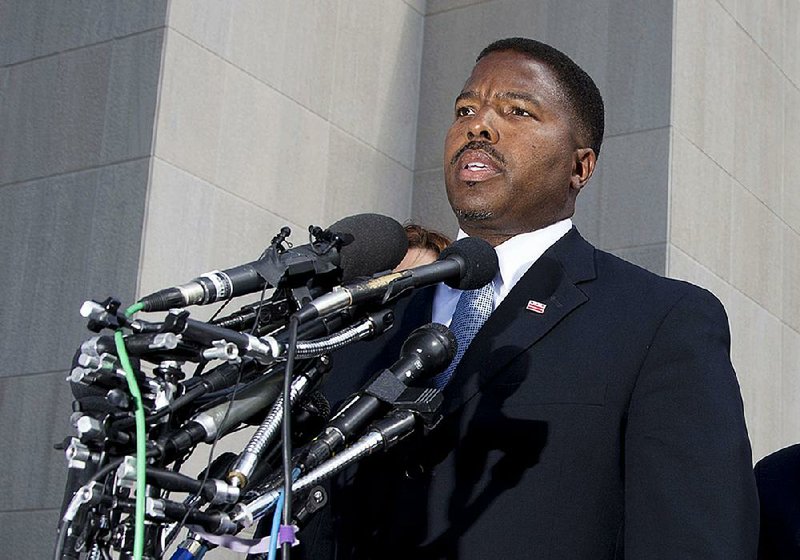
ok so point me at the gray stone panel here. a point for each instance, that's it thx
(85, 108)
(791, 281)
(633, 186)
(361, 179)
(194, 226)
(436, 6)
(700, 206)
(734, 209)
(36, 28)
(376, 90)
(757, 250)
(289, 46)
(35, 410)
(430, 207)
(637, 82)
(65, 239)
(790, 203)
(758, 150)
(756, 352)
(682, 266)
(132, 97)
(417, 5)
(229, 129)
(28, 534)
(764, 21)
(704, 107)
(791, 41)
(651, 257)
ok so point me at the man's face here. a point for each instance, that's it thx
(512, 160)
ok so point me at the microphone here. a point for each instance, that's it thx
(427, 351)
(205, 426)
(356, 246)
(383, 434)
(468, 264)
(220, 419)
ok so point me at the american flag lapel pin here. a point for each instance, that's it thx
(535, 306)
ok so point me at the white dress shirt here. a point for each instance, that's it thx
(514, 256)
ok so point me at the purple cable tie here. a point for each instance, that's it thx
(286, 534)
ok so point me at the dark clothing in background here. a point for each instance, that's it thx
(778, 479)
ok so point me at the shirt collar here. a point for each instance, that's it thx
(517, 254)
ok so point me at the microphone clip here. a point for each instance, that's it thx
(424, 402)
(103, 315)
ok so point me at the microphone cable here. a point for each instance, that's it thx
(141, 436)
(194, 499)
(140, 450)
(294, 324)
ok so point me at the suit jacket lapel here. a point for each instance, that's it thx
(511, 329)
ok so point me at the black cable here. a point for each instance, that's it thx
(294, 323)
(58, 554)
(221, 307)
(196, 497)
(180, 402)
(177, 482)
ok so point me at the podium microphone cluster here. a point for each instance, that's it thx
(468, 264)
(369, 243)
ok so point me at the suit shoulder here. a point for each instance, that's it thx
(619, 271)
(629, 282)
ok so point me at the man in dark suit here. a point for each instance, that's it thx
(596, 414)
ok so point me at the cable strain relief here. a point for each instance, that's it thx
(163, 300)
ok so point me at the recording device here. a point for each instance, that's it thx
(468, 264)
(355, 246)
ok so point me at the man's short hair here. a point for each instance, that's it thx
(579, 89)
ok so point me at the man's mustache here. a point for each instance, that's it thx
(478, 145)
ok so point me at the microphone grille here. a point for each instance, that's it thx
(379, 243)
(434, 345)
(450, 343)
(480, 263)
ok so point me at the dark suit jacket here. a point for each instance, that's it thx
(778, 481)
(608, 426)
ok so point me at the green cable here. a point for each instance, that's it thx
(141, 437)
(134, 308)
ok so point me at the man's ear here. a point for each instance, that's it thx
(582, 167)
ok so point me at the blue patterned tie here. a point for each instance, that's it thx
(472, 310)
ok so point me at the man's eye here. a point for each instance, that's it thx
(520, 112)
(464, 111)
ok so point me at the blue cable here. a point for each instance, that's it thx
(276, 523)
(276, 520)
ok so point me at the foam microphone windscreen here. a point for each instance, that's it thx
(480, 261)
(379, 243)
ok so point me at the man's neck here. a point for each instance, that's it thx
(494, 236)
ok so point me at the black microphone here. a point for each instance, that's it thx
(427, 351)
(468, 264)
(251, 400)
(355, 246)
(219, 420)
